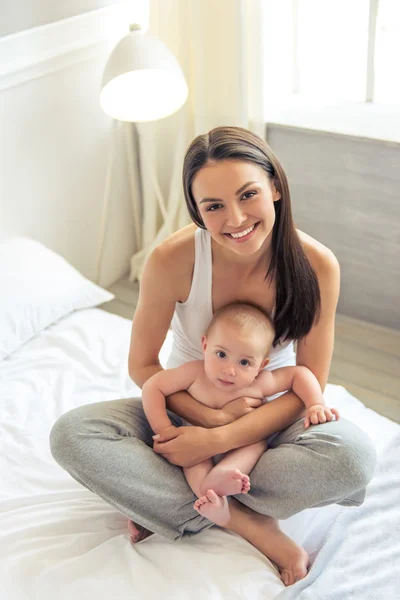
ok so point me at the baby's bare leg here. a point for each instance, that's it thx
(209, 505)
(196, 475)
(230, 476)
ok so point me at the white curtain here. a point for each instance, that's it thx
(218, 44)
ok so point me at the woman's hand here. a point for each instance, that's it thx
(238, 408)
(186, 446)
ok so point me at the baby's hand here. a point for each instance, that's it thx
(319, 413)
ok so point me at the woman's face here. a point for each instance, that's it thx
(236, 202)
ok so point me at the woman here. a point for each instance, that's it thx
(244, 248)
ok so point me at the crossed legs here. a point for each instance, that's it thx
(107, 447)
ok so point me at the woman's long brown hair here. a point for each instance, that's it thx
(298, 302)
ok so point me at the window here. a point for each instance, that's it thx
(331, 51)
(387, 53)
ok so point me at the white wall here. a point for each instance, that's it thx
(54, 146)
(19, 15)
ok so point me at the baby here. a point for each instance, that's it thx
(235, 346)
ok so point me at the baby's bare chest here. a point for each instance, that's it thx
(205, 392)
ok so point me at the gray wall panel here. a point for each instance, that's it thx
(345, 193)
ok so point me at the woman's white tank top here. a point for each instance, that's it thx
(191, 318)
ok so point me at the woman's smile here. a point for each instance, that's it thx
(242, 235)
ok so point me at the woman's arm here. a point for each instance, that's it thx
(184, 405)
(187, 446)
(316, 349)
(153, 314)
(268, 419)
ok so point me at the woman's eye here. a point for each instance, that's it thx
(244, 362)
(213, 207)
(248, 195)
(221, 354)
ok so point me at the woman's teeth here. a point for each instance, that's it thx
(242, 233)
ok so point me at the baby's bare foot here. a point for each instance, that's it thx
(213, 508)
(264, 533)
(137, 532)
(227, 481)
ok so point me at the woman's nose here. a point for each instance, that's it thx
(236, 217)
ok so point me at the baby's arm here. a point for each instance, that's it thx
(304, 383)
(163, 384)
(299, 379)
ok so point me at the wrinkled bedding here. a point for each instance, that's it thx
(58, 540)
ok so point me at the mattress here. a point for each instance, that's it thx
(59, 540)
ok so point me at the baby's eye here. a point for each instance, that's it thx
(244, 362)
(221, 354)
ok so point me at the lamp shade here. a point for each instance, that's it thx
(142, 80)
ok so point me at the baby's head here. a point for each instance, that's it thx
(236, 345)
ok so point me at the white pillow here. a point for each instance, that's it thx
(37, 288)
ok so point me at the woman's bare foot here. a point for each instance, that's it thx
(264, 533)
(227, 481)
(137, 532)
(213, 508)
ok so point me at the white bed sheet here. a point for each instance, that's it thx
(60, 540)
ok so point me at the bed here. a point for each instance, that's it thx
(58, 540)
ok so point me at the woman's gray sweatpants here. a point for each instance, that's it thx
(107, 447)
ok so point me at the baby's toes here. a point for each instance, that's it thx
(246, 487)
(204, 500)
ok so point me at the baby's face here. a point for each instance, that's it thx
(232, 357)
